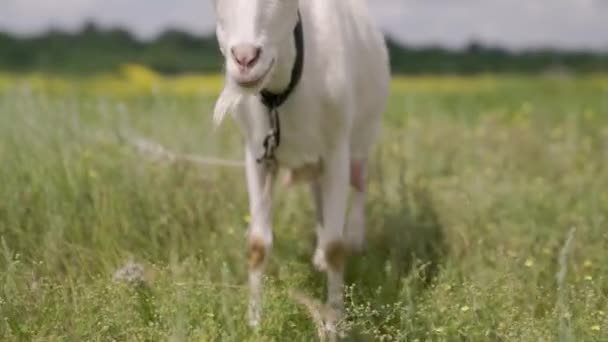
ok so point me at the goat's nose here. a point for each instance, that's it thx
(246, 55)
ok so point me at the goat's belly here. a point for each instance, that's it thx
(304, 173)
(298, 148)
(300, 158)
(301, 171)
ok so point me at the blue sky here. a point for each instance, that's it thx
(512, 23)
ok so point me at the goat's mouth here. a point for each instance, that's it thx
(250, 83)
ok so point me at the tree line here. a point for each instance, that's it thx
(93, 50)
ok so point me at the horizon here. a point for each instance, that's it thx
(211, 35)
(564, 25)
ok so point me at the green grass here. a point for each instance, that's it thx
(473, 194)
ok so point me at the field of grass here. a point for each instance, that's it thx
(488, 215)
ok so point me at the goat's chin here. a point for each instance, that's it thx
(237, 87)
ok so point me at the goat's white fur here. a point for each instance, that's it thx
(333, 115)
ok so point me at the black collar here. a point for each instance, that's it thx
(272, 100)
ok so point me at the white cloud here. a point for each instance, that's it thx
(513, 23)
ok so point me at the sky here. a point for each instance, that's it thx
(515, 24)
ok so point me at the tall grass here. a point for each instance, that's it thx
(475, 186)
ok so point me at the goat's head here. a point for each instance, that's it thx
(250, 33)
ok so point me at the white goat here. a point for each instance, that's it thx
(308, 83)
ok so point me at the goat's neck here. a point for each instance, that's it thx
(281, 76)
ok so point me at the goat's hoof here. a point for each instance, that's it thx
(254, 324)
(332, 329)
(319, 260)
(255, 319)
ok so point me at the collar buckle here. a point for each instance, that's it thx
(273, 101)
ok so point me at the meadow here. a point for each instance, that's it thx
(487, 218)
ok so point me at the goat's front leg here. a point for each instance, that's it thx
(259, 185)
(331, 252)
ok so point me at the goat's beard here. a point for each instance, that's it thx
(228, 100)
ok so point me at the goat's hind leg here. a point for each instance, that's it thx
(259, 185)
(355, 228)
